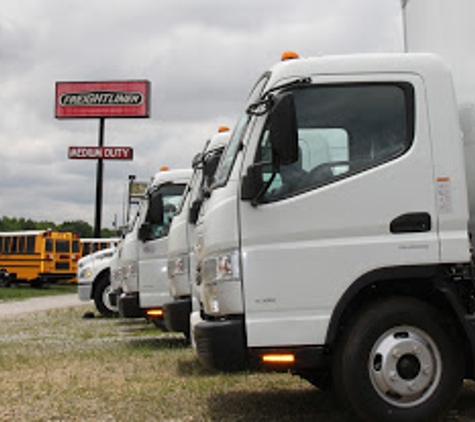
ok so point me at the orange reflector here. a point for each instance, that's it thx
(164, 168)
(223, 129)
(289, 55)
(155, 312)
(278, 358)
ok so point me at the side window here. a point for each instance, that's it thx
(14, 245)
(48, 245)
(172, 195)
(30, 244)
(6, 244)
(342, 130)
(21, 244)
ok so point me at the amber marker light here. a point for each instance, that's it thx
(278, 358)
(155, 312)
(289, 55)
(223, 129)
(164, 168)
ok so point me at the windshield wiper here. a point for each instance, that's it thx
(262, 106)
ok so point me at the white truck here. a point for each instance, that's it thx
(93, 275)
(181, 238)
(335, 241)
(142, 253)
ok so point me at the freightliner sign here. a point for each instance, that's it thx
(103, 99)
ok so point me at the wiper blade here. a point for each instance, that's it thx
(262, 106)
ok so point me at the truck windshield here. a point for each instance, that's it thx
(227, 161)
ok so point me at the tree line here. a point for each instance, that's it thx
(82, 228)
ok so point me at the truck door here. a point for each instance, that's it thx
(361, 197)
(153, 282)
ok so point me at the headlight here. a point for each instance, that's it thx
(85, 273)
(177, 265)
(222, 267)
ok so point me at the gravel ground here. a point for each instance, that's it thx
(11, 309)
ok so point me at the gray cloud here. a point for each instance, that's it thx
(201, 57)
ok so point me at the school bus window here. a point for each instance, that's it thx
(30, 244)
(62, 246)
(1, 244)
(75, 246)
(86, 249)
(21, 244)
(49, 245)
(14, 247)
(7, 245)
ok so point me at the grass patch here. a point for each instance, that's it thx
(24, 291)
(58, 366)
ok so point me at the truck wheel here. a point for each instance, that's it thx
(101, 297)
(398, 361)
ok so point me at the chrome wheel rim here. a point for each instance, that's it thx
(405, 366)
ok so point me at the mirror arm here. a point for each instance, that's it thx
(256, 200)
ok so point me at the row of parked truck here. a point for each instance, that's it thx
(330, 235)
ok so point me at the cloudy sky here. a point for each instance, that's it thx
(201, 57)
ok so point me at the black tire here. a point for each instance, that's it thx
(101, 297)
(319, 379)
(398, 361)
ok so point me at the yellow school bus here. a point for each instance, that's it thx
(91, 245)
(39, 257)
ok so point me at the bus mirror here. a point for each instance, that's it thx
(155, 208)
(283, 133)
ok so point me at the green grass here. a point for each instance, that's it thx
(59, 366)
(24, 291)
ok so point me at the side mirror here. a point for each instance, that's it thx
(144, 232)
(197, 160)
(195, 211)
(210, 166)
(252, 183)
(155, 208)
(283, 133)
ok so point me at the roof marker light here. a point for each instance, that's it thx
(289, 55)
(223, 129)
(164, 168)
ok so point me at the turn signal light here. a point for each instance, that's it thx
(278, 358)
(155, 312)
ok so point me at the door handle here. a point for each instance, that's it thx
(413, 222)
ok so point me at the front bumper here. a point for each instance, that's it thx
(221, 345)
(85, 291)
(177, 315)
(129, 305)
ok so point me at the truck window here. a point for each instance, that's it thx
(342, 130)
(172, 195)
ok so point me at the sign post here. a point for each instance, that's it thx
(116, 99)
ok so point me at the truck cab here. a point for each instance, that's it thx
(142, 253)
(334, 241)
(181, 238)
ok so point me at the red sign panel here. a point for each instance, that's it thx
(103, 99)
(104, 153)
